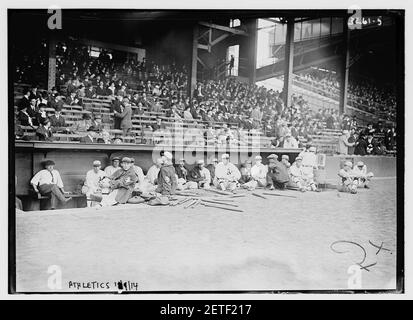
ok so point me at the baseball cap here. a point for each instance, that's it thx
(168, 155)
(126, 159)
(97, 163)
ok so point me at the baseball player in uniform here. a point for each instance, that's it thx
(226, 175)
(300, 179)
(348, 183)
(361, 174)
(259, 172)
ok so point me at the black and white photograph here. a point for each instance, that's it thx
(197, 151)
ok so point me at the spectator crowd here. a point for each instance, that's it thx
(363, 93)
(142, 88)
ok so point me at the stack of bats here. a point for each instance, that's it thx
(224, 201)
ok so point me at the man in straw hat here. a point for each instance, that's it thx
(48, 182)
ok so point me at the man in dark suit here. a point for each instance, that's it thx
(117, 108)
(360, 148)
(72, 99)
(32, 109)
(24, 117)
(90, 92)
(57, 121)
(125, 116)
(44, 132)
(25, 101)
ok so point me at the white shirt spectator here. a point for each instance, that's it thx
(46, 177)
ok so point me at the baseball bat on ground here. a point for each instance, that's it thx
(219, 207)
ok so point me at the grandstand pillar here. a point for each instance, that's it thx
(345, 66)
(253, 49)
(289, 61)
(192, 83)
(51, 74)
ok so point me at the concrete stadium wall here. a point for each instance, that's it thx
(74, 163)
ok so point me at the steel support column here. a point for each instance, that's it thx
(345, 66)
(194, 62)
(289, 61)
(253, 33)
(51, 74)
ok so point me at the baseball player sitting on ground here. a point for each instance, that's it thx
(360, 173)
(122, 183)
(167, 181)
(199, 176)
(92, 185)
(259, 172)
(226, 175)
(182, 175)
(348, 182)
(299, 178)
(246, 180)
(277, 175)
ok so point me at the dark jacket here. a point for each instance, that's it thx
(195, 175)
(56, 123)
(245, 175)
(24, 119)
(182, 173)
(101, 91)
(361, 147)
(126, 118)
(24, 102)
(277, 172)
(124, 181)
(167, 181)
(44, 134)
